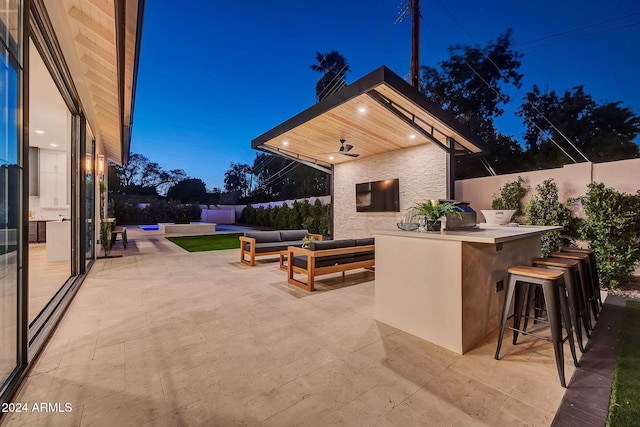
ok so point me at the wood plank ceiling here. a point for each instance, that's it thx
(382, 117)
(92, 27)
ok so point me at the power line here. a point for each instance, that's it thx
(518, 89)
(609, 30)
(584, 27)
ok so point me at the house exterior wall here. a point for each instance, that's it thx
(422, 174)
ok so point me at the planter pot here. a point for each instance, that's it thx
(430, 225)
(433, 225)
(498, 217)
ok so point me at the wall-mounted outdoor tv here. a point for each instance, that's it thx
(378, 196)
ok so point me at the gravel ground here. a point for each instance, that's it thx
(632, 290)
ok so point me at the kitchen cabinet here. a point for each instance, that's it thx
(37, 231)
(53, 179)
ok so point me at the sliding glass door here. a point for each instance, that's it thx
(10, 196)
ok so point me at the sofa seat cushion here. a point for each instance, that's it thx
(331, 244)
(293, 235)
(325, 261)
(365, 241)
(264, 236)
(365, 256)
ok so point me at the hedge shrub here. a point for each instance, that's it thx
(154, 212)
(612, 226)
(314, 217)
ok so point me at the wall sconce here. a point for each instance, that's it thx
(100, 165)
(88, 166)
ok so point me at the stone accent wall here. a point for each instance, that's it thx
(422, 174)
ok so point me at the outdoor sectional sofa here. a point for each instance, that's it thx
(328, 257)
(260, 243)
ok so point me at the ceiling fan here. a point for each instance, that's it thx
(344, 150)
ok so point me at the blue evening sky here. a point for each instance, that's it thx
(215, 74)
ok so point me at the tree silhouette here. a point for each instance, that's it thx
(334, 68)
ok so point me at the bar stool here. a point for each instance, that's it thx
(580, 315)
(594, 269)
(521, 278)
(585, 277)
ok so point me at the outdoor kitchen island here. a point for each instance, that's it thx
(441, 286)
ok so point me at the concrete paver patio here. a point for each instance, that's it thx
(166, 337)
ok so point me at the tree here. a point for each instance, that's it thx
(334, 67)
(278, 178)
(192, 190)
(142, 176)
(470, 86)
(238, 178)
(601, 132)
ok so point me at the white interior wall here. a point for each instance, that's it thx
(421, 172)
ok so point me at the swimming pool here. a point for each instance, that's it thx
(149, 227)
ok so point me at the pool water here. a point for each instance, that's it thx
(150, 227)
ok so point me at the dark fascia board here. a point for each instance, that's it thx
(362, 86)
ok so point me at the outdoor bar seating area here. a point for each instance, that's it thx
(565, 286)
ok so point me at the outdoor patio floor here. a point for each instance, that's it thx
(166, 337)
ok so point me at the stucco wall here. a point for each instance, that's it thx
(422, 175)
(572, 181)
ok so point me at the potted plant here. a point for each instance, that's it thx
(106, 226)
(433, 211)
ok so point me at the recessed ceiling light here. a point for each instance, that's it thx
(285, 143)
(53, 145)
(39, 131)
(362, 109)
(330, 157)
(412, 136)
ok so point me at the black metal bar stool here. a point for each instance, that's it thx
(521, 278)
(580, 315)
(594, 269)
(585, 277)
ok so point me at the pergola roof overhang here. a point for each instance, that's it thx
(376, 114)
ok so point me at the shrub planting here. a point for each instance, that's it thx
(612, 227)
(154, 212)
(314, 217)
(545, 208)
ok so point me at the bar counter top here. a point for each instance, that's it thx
(480, 234)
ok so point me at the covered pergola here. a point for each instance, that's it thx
(376, 114)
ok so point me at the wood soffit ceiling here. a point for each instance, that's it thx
(92, 31)
(376, 114)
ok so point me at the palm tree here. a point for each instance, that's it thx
(333, 67)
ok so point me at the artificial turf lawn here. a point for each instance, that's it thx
(213, 242)
(624, 409)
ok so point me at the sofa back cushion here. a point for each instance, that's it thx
(264, 236)
(365, 241)
(331, 244)
(292, 235)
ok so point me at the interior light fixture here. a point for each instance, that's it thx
(362, 109)
(88, 163)
(285, 143)
(40, 131)
(412, 136)
(53, 145)
(330, 157)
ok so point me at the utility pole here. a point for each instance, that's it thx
(412, 7)
(415, 43)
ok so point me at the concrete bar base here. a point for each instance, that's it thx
(441, 287)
